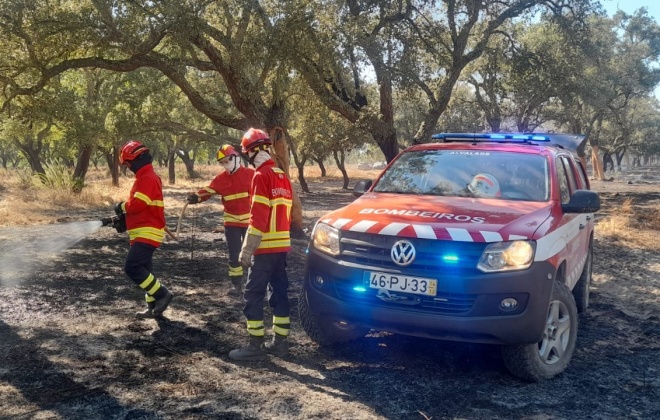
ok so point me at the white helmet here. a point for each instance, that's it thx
(484, 185)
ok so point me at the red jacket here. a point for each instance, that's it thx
(145, 212)
(271, 209)
(234, 191)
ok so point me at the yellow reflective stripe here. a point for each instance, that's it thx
(155, 288)
(281, 331)
(236, 196)
(149, 298)
(276, 235)
(235, 271)
(274, 244)
(261, 199)
(153, 234)
(237, 218)
(281, 201)
(255, 324)
(149, 201)
(255, 328)
(210, 190)
(254, 231)
(278, 170)
(281, 320)
(147, 282)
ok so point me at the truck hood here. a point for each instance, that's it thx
(446, 218)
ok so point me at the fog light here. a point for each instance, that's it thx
(509, 304)
(319, 280)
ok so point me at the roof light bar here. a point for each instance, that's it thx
(506, 137)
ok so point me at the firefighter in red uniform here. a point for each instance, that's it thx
(145, 223)
(233, 187)
(265, 249)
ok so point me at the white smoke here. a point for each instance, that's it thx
(22, 249)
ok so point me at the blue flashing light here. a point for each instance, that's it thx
(450, 258)
(508, 137)
(360, 289)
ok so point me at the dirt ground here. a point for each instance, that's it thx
(70, 347)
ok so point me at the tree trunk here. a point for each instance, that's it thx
(112, 160)
(32, 155)
(82, 166)
(171, 172)
(595, 161)
(281, 151)
(189, 162)
(324, 173)
(340, 159)
(301, 177)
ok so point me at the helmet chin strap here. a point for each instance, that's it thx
(233, 164)
(259, 158)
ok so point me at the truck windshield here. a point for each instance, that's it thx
(468, 173)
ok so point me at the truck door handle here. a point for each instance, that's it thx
(588, 218)
(582, 226)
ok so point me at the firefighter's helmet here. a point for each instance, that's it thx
(224, 151)
(254, 139)
(131, 150)
(484, 185)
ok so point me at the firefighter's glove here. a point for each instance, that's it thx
(119, 208)
(250, 244)
(193, 199)
(119, 223)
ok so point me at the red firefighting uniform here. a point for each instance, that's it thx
(145, 223)
(271, 219)
(234, 191)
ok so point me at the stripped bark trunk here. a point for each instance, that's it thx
(281, 152)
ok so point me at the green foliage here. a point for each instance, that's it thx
(59, 177)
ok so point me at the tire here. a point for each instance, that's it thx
(581, 289)
(324, 330)
(550, 356)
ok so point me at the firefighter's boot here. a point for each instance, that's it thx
(278, 347)
(236, 287)
(147, 313)
(253, 351)
(161, 304)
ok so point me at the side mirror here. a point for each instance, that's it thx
(582, 201)
(361, 187)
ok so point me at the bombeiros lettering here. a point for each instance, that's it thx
(424, 214)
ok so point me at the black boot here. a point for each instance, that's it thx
(162, 304)
(253, 351)
(278, 347)
(147, 313)
(236, 287)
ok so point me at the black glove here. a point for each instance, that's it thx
(193, 199)
(119, 223)
(119, 208)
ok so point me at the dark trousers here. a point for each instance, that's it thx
(138, 268)
(267, 269)
(234, 236)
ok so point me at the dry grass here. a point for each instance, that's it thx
(25, 201)
(631, 225)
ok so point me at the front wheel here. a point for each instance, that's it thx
(326, 331)
(550, 356)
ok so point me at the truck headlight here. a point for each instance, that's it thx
(326, 238)
(507, 256)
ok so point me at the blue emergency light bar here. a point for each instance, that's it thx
(494, 137)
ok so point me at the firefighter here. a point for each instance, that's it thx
(233, 187)
(264, 251)
(145, 223)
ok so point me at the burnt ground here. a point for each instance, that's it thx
(70, 347)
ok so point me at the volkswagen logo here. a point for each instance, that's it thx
(403, 253)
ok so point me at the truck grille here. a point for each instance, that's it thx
(374, 250)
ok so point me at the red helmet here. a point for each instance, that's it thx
(226, 150)
(131, 150)
(254, 138)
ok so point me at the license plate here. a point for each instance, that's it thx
(400, 283)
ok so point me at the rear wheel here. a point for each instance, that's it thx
(551, 355)
(327, 331)
(581, 289)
